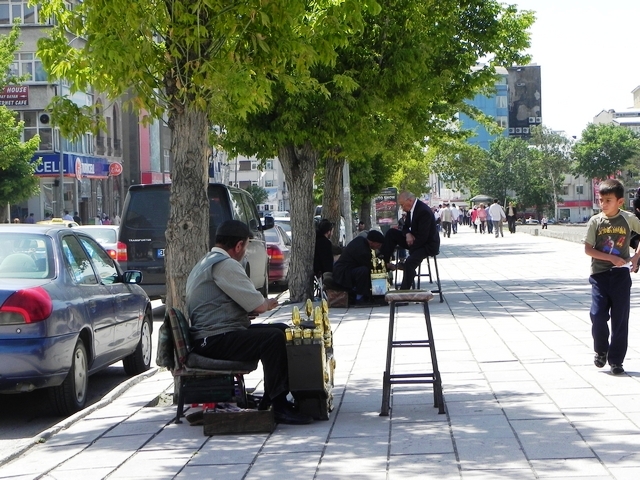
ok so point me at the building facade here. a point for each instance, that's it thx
(89, 175)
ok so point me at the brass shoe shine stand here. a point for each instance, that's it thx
(311, 361)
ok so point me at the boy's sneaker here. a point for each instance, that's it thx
(600, 360)
(617, 369)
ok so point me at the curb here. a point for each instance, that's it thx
(577, 237)
(69, 421)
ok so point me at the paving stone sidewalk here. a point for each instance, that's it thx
(523, 397)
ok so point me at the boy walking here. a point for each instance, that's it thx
(607, 243)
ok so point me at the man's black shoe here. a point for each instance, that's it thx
(600, 360)
(196, 418)
(290, 417)
(617, 369)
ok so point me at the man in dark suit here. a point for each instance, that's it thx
(419, 235)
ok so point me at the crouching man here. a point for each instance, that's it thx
(353, 269)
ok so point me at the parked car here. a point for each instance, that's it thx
(531, 221)
(285, 224)
(107, 236)
(279, 251)
(277, 213)
(58, 221)
(67, 310)
(144, 221)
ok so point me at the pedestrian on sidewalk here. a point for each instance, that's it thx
(482, 217)
(475, 221)
(544, 222)
(446, 217)
(497, 217)
(607, 243)
(512, 216)
(221, 301)
(455, 220)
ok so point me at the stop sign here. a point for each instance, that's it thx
(115, 169)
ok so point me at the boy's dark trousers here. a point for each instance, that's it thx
(610, 298)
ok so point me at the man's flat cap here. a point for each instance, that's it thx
(375, 236)
(233, 228)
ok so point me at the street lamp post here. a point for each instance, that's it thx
(579, 189)
(61, 167)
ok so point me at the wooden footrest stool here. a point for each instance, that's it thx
(397, 299)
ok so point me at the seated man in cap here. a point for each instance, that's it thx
(221, 300)
(353, 269)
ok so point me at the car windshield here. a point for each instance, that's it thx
(25, 256)
(271, 236)
(286, 225)
(102, 235)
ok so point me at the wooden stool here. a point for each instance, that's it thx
(428, 274)
(419, 275)
(396, 299)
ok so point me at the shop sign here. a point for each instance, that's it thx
(14, 96)
(78, 168)
(386, 203)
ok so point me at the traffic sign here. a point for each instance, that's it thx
(115, 169)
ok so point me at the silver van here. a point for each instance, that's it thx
(144, 222)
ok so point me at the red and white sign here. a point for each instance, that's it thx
(78, 168)
(14, 95)
(115, 169)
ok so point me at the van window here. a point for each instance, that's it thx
(218, 208)
(148, 211)
(239, 208)
(253, 220)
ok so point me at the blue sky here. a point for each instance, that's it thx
(588, 54)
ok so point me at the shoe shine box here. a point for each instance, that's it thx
(378, 284)
(246, 421)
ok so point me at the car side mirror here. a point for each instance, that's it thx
(132, 276)
(268, 223)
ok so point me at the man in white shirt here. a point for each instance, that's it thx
(455, 214)
(446, 218)
(497, 217)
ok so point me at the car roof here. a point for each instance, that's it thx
(45, 229)
(89, 227)
(167, 186)
(58, 221)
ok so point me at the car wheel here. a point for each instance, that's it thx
(140, 360)
(71, 396)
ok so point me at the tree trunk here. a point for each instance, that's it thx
(188, 227)
(299, 166)
(365, 213)
(332, 196)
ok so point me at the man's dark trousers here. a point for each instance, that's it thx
(395, 238)
(361, 280)
(610, 297)
(446, 227)
(265, 342)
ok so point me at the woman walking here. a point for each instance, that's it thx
(482, 217)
